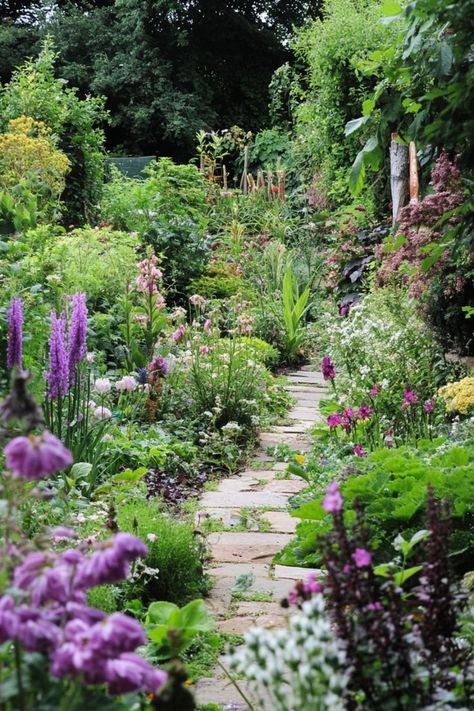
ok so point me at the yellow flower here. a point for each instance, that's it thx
(459, 396)
(188, 682)
(300, 459)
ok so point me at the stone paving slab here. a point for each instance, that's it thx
(288, 572)
(267, 474)
(280, 521)
(246, 499)
(238, 484)
(208, 690)
(246, 547)
(285, 486)
(241, 625)
(235, 570)
(298, 428)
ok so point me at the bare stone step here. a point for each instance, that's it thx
(228, 518)
(306, 377)
(238, 484)
(235, 570)
(295, 442)
(222, 692)
(280, 521)
(251, 608)
(246, 547)
(241, 625)
(219, 500)
(261, 474)
(307, 414)
(298, 428)
(285, 486)
(288, 572)
(316, 391)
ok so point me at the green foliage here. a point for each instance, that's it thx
(220, 282)
(35, 91)
(174, 558)
(270, 150)
(391, 485)
(172, 629)
(295, 306)
(261, 350)
(328, 49)
(168, 210)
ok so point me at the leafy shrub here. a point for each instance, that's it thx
(391, 486)
(263, 351)
(99, 262)
(174, 555)
(30, 159)
(220, 282)
(168, 211)
(34, 91)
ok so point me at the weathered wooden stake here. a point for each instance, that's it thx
(398, 175)
(224, 177)
(414, 182)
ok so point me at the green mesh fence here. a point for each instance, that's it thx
(132, 166)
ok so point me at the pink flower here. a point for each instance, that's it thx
(364, 412)
(207, 325)
(311, 585)
(362, 558)
(102, 413)
(128, 382)
(35, 457)
(359, 451)
(332, 502)
(198, 301)
(374, 606)
(375, 390)
(178, 335)
(204, 350)
(142, 319)
(327, 368)
(334, 420)
(409, 398)
(429, 406)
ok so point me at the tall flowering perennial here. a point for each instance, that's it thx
(77, 348)
(327, 368)
(47, 612)
(148, 276)
(400, 652)
(15, 334)
(57, 377)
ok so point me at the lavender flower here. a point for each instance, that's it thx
(159, 366)
(429, 406)
(58, 374)
(8, 619)
(362, 558)
(77, 334)
(111, 561)
(15, 334)
(36, 456)
(129, 672)
(116, 634)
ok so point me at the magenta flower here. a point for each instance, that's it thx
(327, 368)
(77, 349)
(347, 418)
(15, 334)
(129, 672)
(343, 310)
(429, 406)
(375, 390)
(409, 398)
(311, 585)
(334, 420)
(57, 377)
(332, 502)
(36, 456)
(359, 451)
(373, 606)
(364, 412)
(34, 631)
(8, 619)
(362, 558)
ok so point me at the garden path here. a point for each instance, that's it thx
(250, 510)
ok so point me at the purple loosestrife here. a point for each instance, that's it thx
(327, 368)
(36, 456)
(77, 334)
(58, 375)
(15, 334)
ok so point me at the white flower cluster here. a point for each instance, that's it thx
(303, 667)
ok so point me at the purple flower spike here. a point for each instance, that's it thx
(429, 406)
(36, 457)
(332, 502)
(327, 368)
(111, 561)
(334, 420)
(77, 334)
(15, 334)
(58, 374)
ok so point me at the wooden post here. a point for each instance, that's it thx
(260, 180)
(414, 182)
(269, 184)
(398, 176)
(281, 185)
(201, 162)
(243, 183)
(224, 177)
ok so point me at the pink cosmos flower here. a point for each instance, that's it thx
(36, 456)
(362, 558)
(359, 451)
(332, 502)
